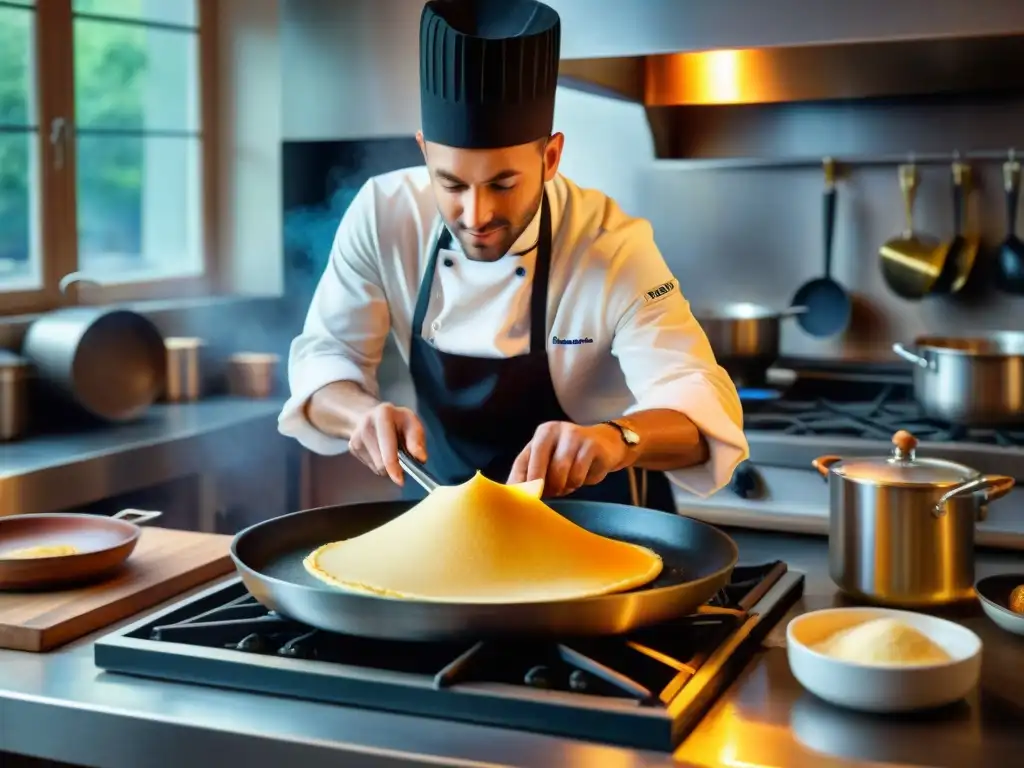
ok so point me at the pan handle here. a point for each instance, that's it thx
(829, 212)
(794, 311)
(417, 472)
(137, 516)
(910, 357)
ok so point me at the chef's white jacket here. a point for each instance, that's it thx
(621, 336)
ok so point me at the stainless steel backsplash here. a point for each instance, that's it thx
(756, 234)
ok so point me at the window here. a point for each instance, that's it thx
(105, 126)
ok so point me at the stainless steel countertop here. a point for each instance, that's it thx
(59, 706)
(53, 472)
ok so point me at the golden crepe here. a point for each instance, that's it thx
(34, 553)
(883, 641)
(483, 542)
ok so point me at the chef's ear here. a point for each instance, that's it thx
(553, 155)
(422, 143)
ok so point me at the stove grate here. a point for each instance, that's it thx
(877, 419)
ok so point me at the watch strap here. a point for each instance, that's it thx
(623, 429)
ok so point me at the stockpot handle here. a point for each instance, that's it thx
(993, 486)
(824, 463)
(911, 357)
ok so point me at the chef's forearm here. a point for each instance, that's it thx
(336, 408)
(668, 441)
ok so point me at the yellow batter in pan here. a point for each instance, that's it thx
(35, 553)
(483, 542)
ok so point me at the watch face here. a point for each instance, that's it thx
(630, 436)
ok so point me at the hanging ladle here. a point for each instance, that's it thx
(1010, 261)
(826, 306)
(911, 263)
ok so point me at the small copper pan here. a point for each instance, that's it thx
(102, 545)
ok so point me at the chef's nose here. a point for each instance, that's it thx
(477, 210)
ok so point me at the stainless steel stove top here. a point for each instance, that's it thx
(648, 689)
(883, 411)
(810, 408)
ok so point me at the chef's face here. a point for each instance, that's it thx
(488, 197)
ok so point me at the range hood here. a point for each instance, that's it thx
(806, 73)
(768, 78)
(602, 29)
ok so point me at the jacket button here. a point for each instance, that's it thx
(521, 271)
(448, 262)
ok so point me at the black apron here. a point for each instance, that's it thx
(480, 412)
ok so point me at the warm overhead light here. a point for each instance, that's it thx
(726, 76)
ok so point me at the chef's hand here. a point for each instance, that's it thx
(569, 456)
(378, 435)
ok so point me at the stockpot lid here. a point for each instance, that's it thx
(903, 467)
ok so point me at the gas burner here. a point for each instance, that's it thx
(877, 419)
(758, 395)
(609, 689)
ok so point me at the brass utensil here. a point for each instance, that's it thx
(911, 263)
(961, 249)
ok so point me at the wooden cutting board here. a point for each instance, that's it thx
(165, 563)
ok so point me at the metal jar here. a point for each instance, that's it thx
(252, 374)
(110, 362)
(744, 338)
(184, 373)
(14, 406)
(975, 380)
(901, 529)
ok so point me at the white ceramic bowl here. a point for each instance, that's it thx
(994, 596)
(876, 687)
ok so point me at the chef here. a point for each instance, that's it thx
(544, 334)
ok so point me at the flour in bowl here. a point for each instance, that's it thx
(882, 641)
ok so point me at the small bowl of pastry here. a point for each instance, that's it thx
(1002, 600)
(883, 660)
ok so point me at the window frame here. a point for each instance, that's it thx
(58, 226)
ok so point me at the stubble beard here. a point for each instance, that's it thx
(512, 233)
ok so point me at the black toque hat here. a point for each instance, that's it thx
(488, 72)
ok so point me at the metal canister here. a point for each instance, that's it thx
(184, 379)
(14, 376)
(252, 374)
(108, 361)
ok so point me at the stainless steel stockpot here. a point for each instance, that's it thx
(901, 529)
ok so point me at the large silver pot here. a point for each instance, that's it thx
(110, 362)
(901, 529)
(975, 380)
(744, 337)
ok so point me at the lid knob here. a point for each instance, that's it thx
(905, 444)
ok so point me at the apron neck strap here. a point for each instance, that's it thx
(539, 295)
